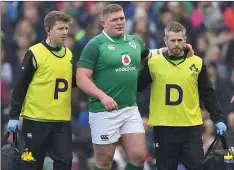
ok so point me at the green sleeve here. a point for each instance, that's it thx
(144, 49)
(89, 55)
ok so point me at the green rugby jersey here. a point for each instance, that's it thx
(115, 63)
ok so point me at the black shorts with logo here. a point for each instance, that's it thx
(178, 144)
(54, 138)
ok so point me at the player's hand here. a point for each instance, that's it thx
(190, 50)
(188, 47)
(163, 50)
(109, 103)
(232, 100)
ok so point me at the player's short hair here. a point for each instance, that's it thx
(174, 27)
(52, 17)
(111, 8)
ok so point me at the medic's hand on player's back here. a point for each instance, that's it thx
(109, 103)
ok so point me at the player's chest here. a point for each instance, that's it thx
(123, 54)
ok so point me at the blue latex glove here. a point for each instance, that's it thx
(221, 128)
(13, 125)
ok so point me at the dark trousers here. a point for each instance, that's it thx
(54, 138)
(178, 144)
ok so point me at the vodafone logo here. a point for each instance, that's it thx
(126, 60)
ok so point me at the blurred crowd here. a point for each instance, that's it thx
(210, 30)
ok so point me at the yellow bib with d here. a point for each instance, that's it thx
(174, 99)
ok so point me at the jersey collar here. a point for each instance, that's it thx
(54, 49)
(171, 58)
(111, 39)
(51, 48)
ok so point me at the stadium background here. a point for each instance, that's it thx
(210, 29)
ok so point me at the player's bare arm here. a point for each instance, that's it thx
(84, 82)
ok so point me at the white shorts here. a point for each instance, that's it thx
(107, 127)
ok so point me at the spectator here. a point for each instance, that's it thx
(198, 15)
(227, 94)
(228, 17)
(232, 100)
(164, 18)
(6, 68)
(229, 57)
(202, 45)
(213, 55)
(230, 131)
(4, 103)
(209, 133)
(132, 10)
(215, 79)
(179, 14)
(142, 28)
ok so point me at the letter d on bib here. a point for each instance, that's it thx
(168, 94)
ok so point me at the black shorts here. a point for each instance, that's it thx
(178, 144)
(54, 138)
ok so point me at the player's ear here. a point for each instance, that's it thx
(47, 30)
(103, 23)
(103, 20)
